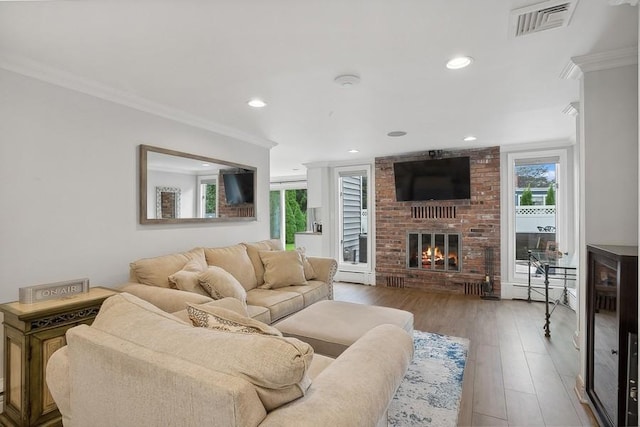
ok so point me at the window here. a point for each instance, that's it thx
(538, 207)
(208, 200)
(287, 212)
(353, 212)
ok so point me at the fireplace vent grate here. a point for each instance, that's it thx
(395, 282)
(472, 288)
(433, 212)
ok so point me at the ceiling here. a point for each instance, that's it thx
(201, 61)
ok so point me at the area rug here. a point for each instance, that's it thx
(431, 390)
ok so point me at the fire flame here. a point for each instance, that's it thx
(438, 256)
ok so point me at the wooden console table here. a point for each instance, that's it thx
(32, 333)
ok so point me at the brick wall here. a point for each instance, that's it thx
(225, 210)
(477, 219)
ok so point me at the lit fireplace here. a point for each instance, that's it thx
(434, 251)
(436, 257)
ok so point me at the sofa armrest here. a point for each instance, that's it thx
(169, 300)
(326, 269)
(356, 389)
(58, 382)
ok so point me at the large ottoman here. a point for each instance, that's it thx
(330, 327)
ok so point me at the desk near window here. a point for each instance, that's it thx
(559, 272)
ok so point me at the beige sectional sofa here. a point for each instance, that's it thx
(137, 365)
(277, 283)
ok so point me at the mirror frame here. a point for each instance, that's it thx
(142, 189)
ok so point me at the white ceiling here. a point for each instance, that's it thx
(205, 59)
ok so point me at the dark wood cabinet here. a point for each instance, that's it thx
(612, 327)
(32, 333)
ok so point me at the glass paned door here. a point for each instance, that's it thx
(287, 214)
(208, 205)
(353, 187)
(536, 222)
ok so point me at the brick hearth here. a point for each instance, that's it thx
(477, 220)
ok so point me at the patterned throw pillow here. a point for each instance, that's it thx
(220, 284)
(221, 319)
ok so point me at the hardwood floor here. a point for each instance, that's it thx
(514, 375)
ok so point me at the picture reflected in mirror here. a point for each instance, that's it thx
(178, 187)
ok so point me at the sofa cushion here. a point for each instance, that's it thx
(276, 366)
(227, 320)
(220, 284)
(156, 271)
(236, 261)
(280, 303)
(187, 279)
(312, 292)
(259, 313)
(282, 268)
(254, 256)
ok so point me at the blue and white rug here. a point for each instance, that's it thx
(431, 390)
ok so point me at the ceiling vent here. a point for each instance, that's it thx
(541, 16)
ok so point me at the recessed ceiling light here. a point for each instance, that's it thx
(347, 80)
(256, 103)
(459, 62)
(353, 151)
(397, 133)
(206, 164)
(470, 138)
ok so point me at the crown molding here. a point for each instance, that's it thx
(599, 61)
(619, 2)
(39, 71)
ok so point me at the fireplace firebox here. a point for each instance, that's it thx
(434, 251)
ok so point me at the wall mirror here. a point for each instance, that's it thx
(178, 187)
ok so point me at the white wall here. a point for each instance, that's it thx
(69, 184)
(608, 135)
(188, 191)
(609, 111)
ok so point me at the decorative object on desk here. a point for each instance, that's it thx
(37, 293)
(431, 390)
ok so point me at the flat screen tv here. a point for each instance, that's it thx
(433, 179)
(238, 187)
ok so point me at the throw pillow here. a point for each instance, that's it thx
(309, 272)
(187, 279)
(221, 319)
(282, 268)
(156, 271)
(220, 283)
(253, 250)
(236, 261)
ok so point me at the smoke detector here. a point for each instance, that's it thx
(347, 80)
(541, 16)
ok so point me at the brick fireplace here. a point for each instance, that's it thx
(440, 245)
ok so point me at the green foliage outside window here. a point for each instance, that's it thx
(532, 175)
(295, 213)
(210, 199)
(527, 197)
(551, 196)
